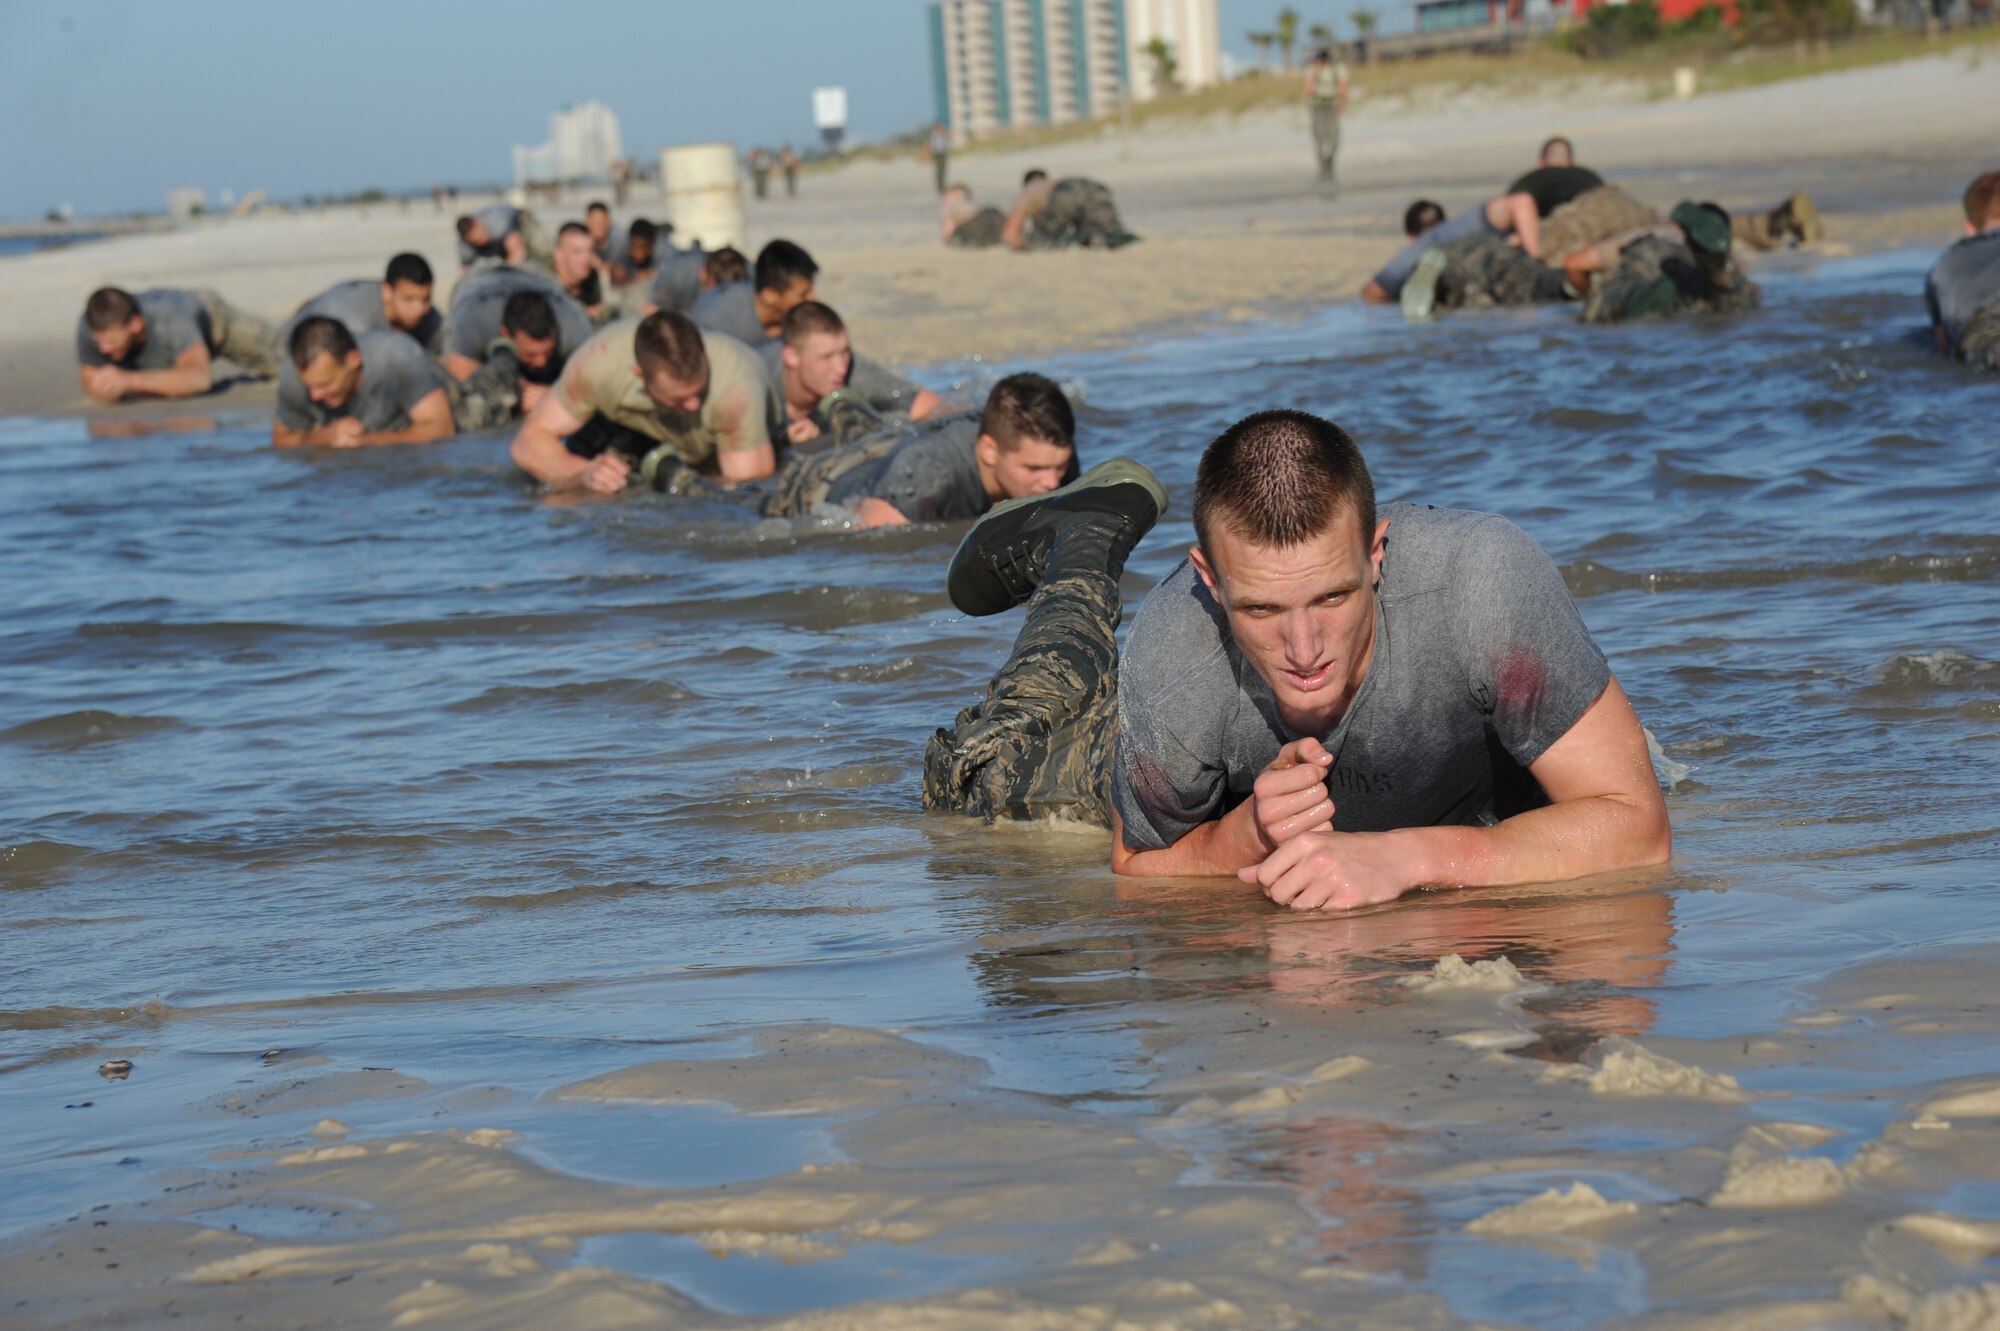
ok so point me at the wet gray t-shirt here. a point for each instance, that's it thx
(1481, 662)
(396, 374)
(889, 393)
(677, 284)
(502, 220)
(481, 299)
(358, 304)
(732, 310)
(1396, 272)
(1964, 281)
(932, 476)
(175, 321)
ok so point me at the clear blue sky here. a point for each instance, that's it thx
(109, 103)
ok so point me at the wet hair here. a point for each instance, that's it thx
(781, 263)
(320, 336)
(1027, 406)
(529, 314)
(572, 229)
(726, 266)
(465, 225)
(1420, 217)
(597, 206)
(642, 229)
(668, 344)
(1034, 173)
(410, 268)
(1280, 478)
(109, 307)
(810, 319)
(1549, 145)
(1982, 199)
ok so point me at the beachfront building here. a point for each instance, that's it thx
(583, 143)
(996, 64)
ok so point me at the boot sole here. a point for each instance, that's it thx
(1419, 295)
(1113, 472)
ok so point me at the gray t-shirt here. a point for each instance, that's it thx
(481, 299)
(889, 393)
(932, 476)
(358, 304)
(1471, 222)
(1481, 662)
(395, 376)
(677, 283)
(175, 321)
(1964, 281)
(502, 220)
(732, 310)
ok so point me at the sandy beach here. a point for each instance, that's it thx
(1233, 223)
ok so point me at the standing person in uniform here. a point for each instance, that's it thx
(1326, 95)
(760, 172)
(940, 151)
(789, 160)
(163, 343)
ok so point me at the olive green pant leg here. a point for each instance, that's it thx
(1979, 341)
(489, 396)
(1592, 216)
(241, 337)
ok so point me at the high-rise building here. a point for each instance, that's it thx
(1000, 63)
(583, 143)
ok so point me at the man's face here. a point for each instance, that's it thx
(407, 303)
(677, 396)
(1558, 154)
(330, 382)
(572, 258)
(598, 221)
(479, 237)
(793, 296)
(534, 353)
(640, 249)
(1030, 467)
(1303, 615)
(822, 362)
(120, 340)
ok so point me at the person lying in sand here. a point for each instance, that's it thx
(963, 223)
(164, 342)
(1057, 214)
(1962, 291)
(1335, 705)
(343, 390)
(946, 469)
(501, 233)
(652, 400)
(753, 312)
(1683, 266)
(399, 303)
(512, 332)
(812, 361)
(1510, 218)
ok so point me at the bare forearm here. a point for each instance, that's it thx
(181, 381)
(1213, 849)
(543, 457)
(414, 434)
(1601, 834)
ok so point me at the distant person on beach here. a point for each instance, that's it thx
(635, 256)
(760, 171)
(754, 312)
(938, 148)
(1326, 100)
(520, 321)
(1057, 214)
(1336, 705)
(597, 223)
(1962, 291)
(1510, 218)
(345, 390)
(656, 400)
(500, 233)
(788, 161)
(945, 469)
(164, 343)
(399, 303)
(814, 370)
(964, 223)
(574, 266)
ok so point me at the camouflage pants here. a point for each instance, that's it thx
(240, 337)
(1485, 270)
(1079, 212)
(1979, 340)
(1041, 742)
(980, 230)
(1326, 136)
(1592, 216)
(801, 484)
(1655, 276)
(490, 395)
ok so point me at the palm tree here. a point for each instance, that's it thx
(1262, 41)
(1288, 32)
(1166, 66)
(1364, 27)
(1320, 34)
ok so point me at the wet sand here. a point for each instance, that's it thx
(1233, 222)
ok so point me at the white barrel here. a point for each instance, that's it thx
(704, 196)
(1684, 81)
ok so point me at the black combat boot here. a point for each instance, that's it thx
(1093, 522)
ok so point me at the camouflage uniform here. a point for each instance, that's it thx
(1592, 216)
(490, 395)
(1793, 222)
(1979, 341)
(1079, 212)
(1636, 285)
(240, 337)
(980, 230)
(801, 484)
(1042, 741)
(1485, 270)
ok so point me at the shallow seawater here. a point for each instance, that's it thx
(323, 765)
